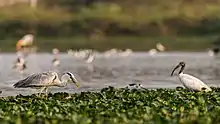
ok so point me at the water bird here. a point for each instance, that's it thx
(25, 41)
(190, 82)
(127, 52)
(152, 51)
(46, 79)
(55, 51)
(214, 51)
(70, 52)
(134, 86)
(89, 57)
(110, 52)
(20, 65)
(24, 44)
(160, 47)
(56, 62)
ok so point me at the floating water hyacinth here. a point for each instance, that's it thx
(110, 105)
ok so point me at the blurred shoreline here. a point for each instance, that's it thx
(136, 43)
(102, 25)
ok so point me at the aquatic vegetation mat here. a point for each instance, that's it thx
(112, 105)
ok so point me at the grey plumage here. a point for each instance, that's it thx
(36, 80)
(45, 80)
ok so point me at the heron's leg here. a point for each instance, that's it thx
(42, 89)
(46, 91)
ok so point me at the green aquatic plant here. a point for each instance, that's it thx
(111, 105)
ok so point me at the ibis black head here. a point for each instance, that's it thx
(182, 65)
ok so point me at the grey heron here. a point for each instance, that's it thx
(190, 82)
(46, 79)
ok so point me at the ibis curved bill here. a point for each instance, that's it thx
(190, 82)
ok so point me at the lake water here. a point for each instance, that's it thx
(150, 71)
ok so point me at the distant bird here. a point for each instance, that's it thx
(110, 52)
(56, 62)
(160, 47)
(25, 41)
(215, 50)
(190, 82)
(152, 51)
(89, 57)
(55, 51)
(127, 52)
(135, 86)
(70, 52)
(45, 80)
(24, 45)
(20, 65)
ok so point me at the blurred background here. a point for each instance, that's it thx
(180, 25)
(96, 40)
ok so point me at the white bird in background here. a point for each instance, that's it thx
(89, 57)
(110, 52)
(127, 52)
(55, 61)
(190, 82)
(213, 51)
(55, 51)
(70, 52)
(20, 65)
(134, 86)
(45, 80)
(24, 44)
(152, 51)
(29, 38)
(160, 47)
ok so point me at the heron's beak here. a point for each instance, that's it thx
(75, 82)
(175, 69)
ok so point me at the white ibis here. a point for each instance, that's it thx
(190, 82)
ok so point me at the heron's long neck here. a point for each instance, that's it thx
(62, 83)
(181, 70)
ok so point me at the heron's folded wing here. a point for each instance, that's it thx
(32, 80)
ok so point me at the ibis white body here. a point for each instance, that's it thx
(192, 83)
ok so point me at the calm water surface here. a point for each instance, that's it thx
(151, 71)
